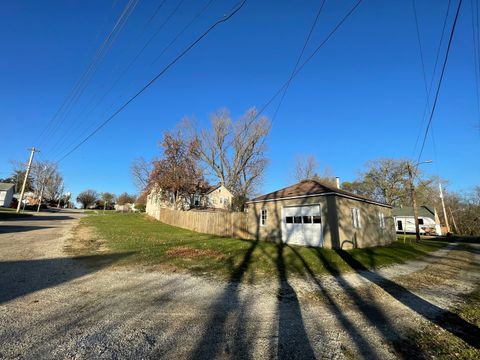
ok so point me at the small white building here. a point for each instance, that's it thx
(428, 220)
(6, 194)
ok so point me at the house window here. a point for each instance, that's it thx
(297, 219)
(289, 219)
(222, 200)
(356, 218)
(317, 219)
(263, 217)
(399, 224)
(381, 220)
(420, 221)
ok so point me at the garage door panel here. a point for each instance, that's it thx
(301, 225)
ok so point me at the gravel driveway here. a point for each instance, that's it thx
(54, 306)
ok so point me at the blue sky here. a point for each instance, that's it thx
(361, 98)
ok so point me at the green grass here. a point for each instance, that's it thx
(98, 212)
(435, 343)
(153, 243)
(7, 214)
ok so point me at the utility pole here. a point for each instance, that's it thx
(414, 202)
(27, 172)
(443, 206)
(43, 188)
(453, 219)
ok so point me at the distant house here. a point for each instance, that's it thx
(428, 220)
(6, 194)
(216, 197)
(128, 207)
(316, 214)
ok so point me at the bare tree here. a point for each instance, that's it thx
(54, 188)
(234, 150)
(385, 180)
(464, 210)
(140, 170)
(87, 198)
(47, 181)
(305, 167)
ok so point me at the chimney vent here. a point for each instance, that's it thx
(337, 180)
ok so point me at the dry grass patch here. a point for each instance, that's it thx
(183, 251)
(85, 240)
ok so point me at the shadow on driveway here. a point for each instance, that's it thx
(23, 277)
(5, 229)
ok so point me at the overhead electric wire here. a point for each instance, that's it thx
(437, 57)
(476, 53)
(225, 18)
(125, 71)
(312, 27)
(452, 32)
(91, 125)
(81, 84)
(427, 93)
(310, 57)
(185, 28)
(427, 89)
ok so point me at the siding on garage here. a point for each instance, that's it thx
(370, 233)
(273, 227)
(337, 225)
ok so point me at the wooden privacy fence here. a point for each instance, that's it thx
(226, 224)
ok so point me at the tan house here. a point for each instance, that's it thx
(216, 197)
(314, 214)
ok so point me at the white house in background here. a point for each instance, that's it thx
(6, 194)
(428, 220)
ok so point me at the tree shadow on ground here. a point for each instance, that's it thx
(42, 218)
(447, 320)
(6, 229)
(23, 277)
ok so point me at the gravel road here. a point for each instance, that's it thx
(54, 306)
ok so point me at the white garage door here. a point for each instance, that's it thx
(302, 225)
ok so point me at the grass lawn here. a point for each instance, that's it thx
(92, 212)
(435, 343)
(153, 243)
(7, 214)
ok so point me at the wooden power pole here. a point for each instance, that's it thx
(27, 172)
(414, 203)
(443, 206)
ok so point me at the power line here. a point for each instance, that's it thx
(90, 126)
(437, 57)
(82, 83)
(185, 28)
(319, 11)
(59, 144)
(310, 57)
(225, 18)
(476, 53)
(452, 32)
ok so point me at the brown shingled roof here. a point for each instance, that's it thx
(310, 187)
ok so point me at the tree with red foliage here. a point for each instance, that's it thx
(177, 173)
